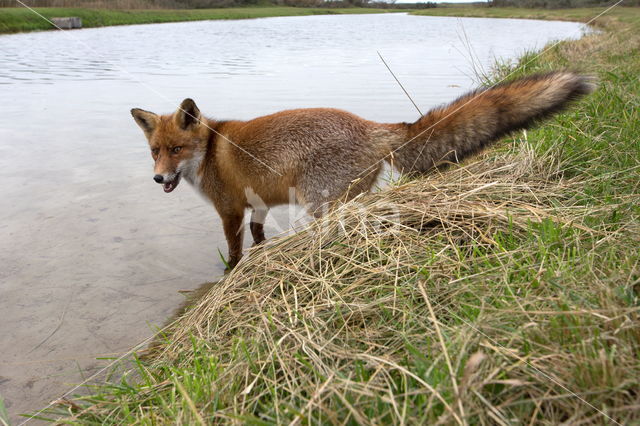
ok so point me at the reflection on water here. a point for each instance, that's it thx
(84, 228)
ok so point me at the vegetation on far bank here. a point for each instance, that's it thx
(556, 4)
(580, 14)
(17, 19)
(508, 293)
(100, 13)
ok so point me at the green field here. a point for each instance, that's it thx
(14, 20)
(508, 295)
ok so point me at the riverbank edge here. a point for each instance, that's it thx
(20, 20)
(167, 369)
(581, 14)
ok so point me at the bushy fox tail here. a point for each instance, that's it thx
(462, 128)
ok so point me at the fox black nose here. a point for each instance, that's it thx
(158, 178)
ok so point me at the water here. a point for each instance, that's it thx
(92, 252)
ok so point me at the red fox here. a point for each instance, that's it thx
(324, 155)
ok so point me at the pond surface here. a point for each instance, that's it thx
(92, 251)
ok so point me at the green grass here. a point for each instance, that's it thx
(511, 294)
(4, 416)
(575, 14)
(21, 19)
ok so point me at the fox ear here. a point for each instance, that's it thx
(188, 114)
(145, 119)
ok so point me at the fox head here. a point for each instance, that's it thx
(177, 141)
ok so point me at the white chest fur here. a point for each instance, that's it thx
(189, 169)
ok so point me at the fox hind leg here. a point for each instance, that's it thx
(256, 225)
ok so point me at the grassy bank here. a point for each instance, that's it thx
(14, 20)
(508, 293)
(583, 14)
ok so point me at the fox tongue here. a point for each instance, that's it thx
(170, 186)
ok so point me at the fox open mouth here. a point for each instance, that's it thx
(170, 186)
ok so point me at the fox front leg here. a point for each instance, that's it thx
(256, 225)
(233, 232)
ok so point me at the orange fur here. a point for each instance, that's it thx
(322, 155)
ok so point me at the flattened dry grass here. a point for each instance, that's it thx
(502, 291)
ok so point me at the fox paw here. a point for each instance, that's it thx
(231, 263)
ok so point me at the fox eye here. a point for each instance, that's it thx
(176, 149)
(155, 151)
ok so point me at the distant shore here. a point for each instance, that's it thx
(20, 19)
(581, 14)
